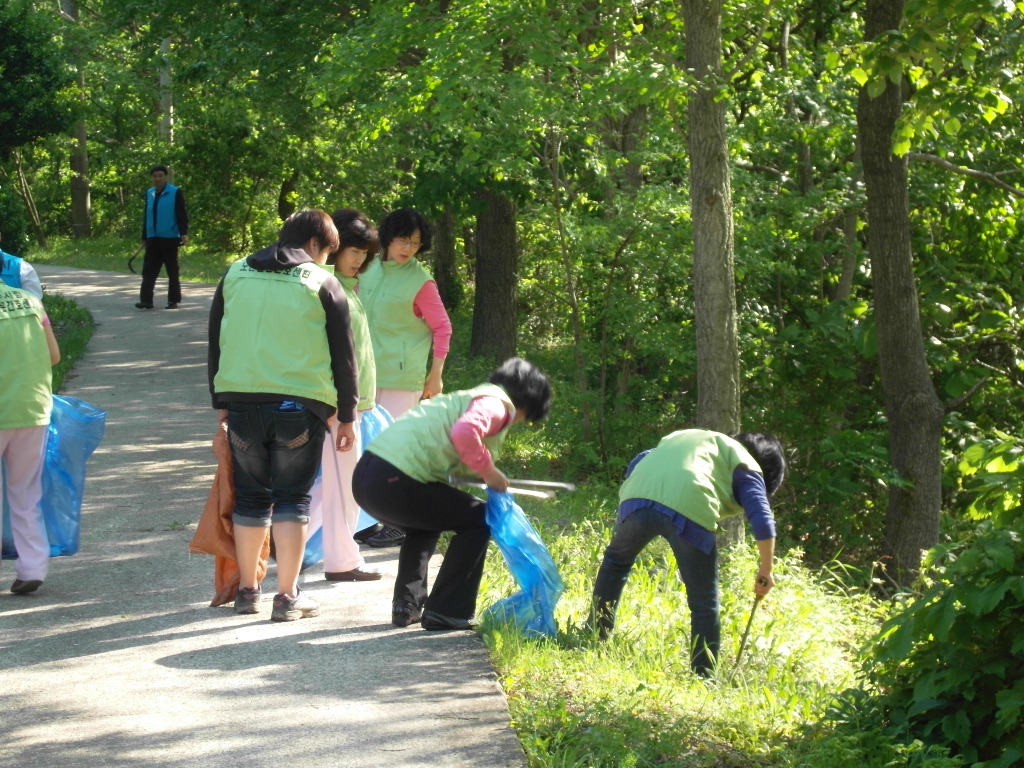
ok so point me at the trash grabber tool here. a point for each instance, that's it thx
(132, 259)
(544, 485)
(465, 481)
(746, 632)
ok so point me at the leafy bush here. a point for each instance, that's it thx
(950, 665)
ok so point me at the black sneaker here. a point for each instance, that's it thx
(172, 305)
(366, 533)
(404, 614)
(247, 600)
(143, 305)
(386, 537)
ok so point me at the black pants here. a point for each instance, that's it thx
(424, 511)
(160, 252)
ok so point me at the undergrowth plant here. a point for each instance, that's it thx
(73, 326)
(632, 700)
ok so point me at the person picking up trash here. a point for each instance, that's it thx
(402, 480)
(680, 490)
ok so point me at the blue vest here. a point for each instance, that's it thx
(161, 219)
(10, 272)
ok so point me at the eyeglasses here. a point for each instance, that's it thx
(405, 242)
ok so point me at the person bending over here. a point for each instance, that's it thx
(680, 490)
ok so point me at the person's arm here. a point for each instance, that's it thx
(30, 280)
(343, 357)
(51, 341)
(428, 305)
(484, 417)
(181, 214)
(213, 337)
(749, 489)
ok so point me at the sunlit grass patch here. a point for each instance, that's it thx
(632, 700)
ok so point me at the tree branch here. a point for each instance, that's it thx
(983, 175)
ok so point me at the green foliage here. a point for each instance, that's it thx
(949, 666)
(13, 224)
(34, 76)
(993, 480)
(73, 326)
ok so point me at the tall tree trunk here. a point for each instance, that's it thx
(718, 395)
(166, 93)
(913, 408)
(714, 280)
(497, 254)
(81, 201)
(287, 196)
(445, 259)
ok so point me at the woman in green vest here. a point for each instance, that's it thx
(409, 326)
(402, 480)
(680, 490)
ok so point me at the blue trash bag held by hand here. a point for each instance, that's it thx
(76, 429)
(532, 609)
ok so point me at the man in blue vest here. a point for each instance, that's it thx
(164, 228)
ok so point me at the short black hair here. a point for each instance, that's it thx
(158, 168)
(356, 231)
(526, 385)
(768, 453)
(308, 223)
(402, 223)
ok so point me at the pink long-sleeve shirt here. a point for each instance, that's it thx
(485, 416)
(428, 306)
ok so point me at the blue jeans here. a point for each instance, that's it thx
(275, 456)
(698, 571)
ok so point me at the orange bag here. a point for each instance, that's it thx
(215, 532)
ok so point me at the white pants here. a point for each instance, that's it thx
(22, 451)
(332, 501)
(398, 401)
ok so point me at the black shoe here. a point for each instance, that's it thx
(404, 614)
(143, 305)
(20, 587)
(366, 533)
(172, 305)
(356, 574)
(436, 622)
(386, 537)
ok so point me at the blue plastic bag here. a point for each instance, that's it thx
(532, 609)
(371, 424)
(76, 429)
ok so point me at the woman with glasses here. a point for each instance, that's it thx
(409, 326)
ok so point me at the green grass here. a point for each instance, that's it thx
(111, 254)
(73, 326)
(631, 700)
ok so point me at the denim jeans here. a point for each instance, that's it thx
(698, 571)
(275, 455)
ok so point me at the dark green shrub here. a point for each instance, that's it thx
(950, 664)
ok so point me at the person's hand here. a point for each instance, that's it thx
(763, 583)
(346, 436)
(495, 479)
(433, 385)
(184, 239)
